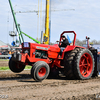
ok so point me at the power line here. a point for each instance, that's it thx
(34, 11)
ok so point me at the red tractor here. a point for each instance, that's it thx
(75, 62)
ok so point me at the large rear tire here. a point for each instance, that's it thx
(79, 64)
(84, 64)
(69, 63)
(15, 66)
(40, 71)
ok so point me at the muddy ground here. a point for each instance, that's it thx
(22, 87)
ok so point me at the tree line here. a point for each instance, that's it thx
(81, 42)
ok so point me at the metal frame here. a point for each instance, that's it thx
(21, 39)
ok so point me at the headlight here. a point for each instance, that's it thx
(26, 44)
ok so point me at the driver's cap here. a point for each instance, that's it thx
(63, 36)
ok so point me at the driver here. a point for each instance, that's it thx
(65, 42)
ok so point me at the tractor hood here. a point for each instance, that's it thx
(52, 50)
(45, 47)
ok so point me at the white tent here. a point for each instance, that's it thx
(4, 45)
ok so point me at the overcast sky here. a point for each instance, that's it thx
(84, 20)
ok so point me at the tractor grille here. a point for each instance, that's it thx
(26, 51)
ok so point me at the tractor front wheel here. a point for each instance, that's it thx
(40, 71)
(16, 67)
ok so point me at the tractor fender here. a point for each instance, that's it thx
(70, 48)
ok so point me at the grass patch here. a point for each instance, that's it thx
(4, 59)
(7, 68)
(4, 68)
(28, 67)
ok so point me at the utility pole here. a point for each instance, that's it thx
(46, 34)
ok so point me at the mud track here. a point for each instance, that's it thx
(23, 87)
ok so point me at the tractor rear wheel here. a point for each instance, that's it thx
(40, 71)
(16, 67)
(84, 64)
(69, 63)
(79, 64)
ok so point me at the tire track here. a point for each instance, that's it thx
(23, 87)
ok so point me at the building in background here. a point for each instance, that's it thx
(4, 45)
(4, 48)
